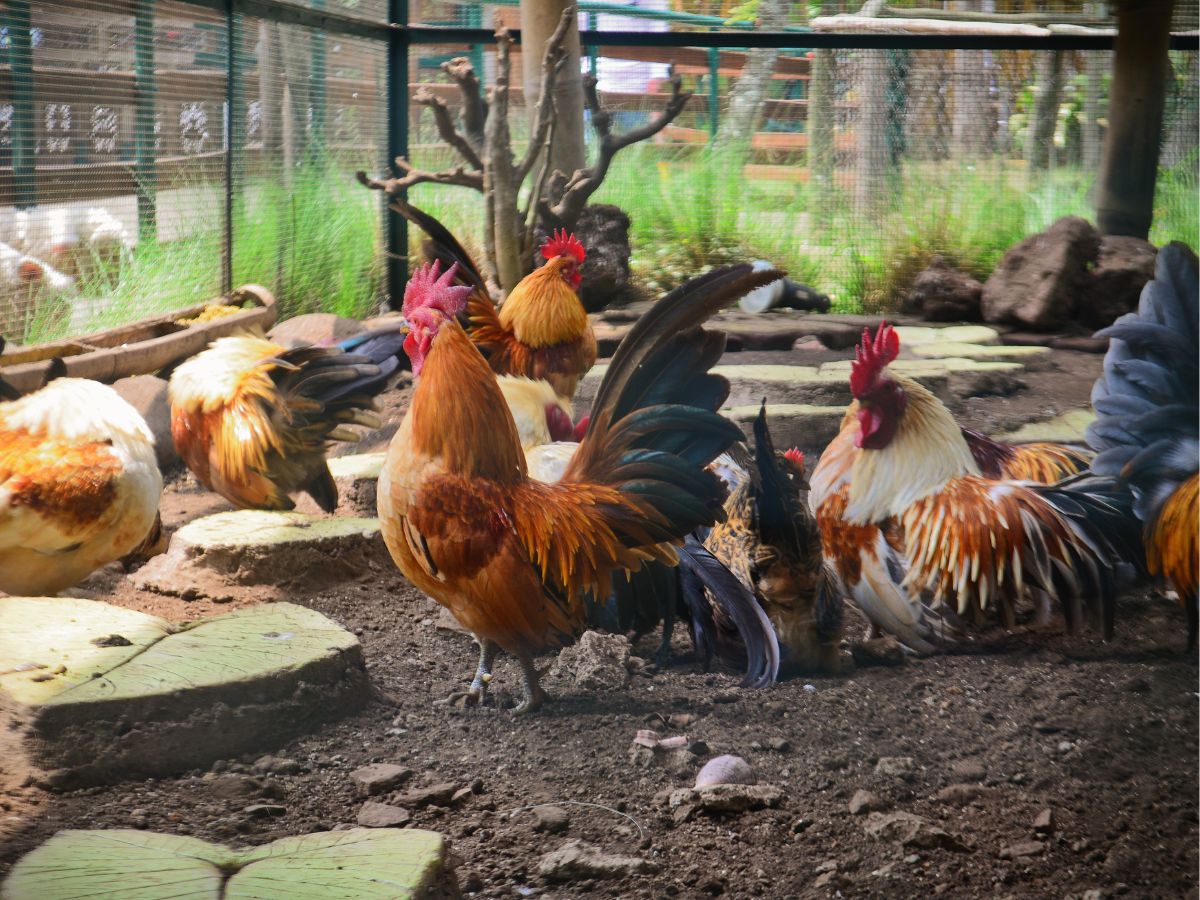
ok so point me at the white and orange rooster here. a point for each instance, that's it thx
(79, 485)
(904, 508)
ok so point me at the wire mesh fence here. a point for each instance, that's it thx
(154, 151)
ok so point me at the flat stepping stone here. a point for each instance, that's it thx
(919, 335)
(100, 693)
(359, 863)
(808, 427)
(1030, 357)
(1067, 428)
(280, 552)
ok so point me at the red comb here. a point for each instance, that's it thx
(427, 290)
(561, 243)
(871, 356)
(795, 456)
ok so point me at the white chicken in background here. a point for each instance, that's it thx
(72, 238)
(79, 485)
(23, 279)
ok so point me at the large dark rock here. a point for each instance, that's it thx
(1123, 266)
(1041, 281)
(148, 395)
(944, 294)
(603, 230)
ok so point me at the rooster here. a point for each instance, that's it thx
(511, 557)
(904, 507)
(252, 419)
(723, 616)
(542, 330)
(770, 541)
(79, 484)
(1148, 417)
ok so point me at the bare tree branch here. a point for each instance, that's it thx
(529, 214)
(445, 127)
(475, 109)
(503, 184)
(413, 176)
(552, 62)
(584, 182)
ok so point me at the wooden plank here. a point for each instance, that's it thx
(766, 140)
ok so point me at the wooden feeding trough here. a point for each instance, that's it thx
(144, 347)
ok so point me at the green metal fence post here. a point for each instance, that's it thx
(235, 113)
(714, 91)
(143, 132)
(396, 227)
(21, 55)
(593, 52)
(316, 138)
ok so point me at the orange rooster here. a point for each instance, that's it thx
(79, 484)
(252, 419)
(541, 331)
(903, 508)
(512, 557)
(1147, 428)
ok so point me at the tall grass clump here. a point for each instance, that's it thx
(1177, 204)
(315, 241)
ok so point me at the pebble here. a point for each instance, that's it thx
(864, 802)
(265, 810)
(959, 794)
(1022, 849)
(1044, 823)
(896, 767)
(435, 795)
(378, 778)
(969, 770)
(577, 861)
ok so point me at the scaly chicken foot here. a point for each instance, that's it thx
(530, 681)
(476, 694)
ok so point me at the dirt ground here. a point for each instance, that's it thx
(1104, 736)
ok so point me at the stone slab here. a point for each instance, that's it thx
(1031, 357)
(174, 697)
(371, 864)
(281, 552)
(920, 335)
(808, 427)
(1067, 428)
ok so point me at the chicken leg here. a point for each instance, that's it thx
(476, 694)
(530, 681)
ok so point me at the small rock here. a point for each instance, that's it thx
(778, 744)
(968, 770)
(723, 798)
(598, 662)
(725, 770)
(551, 819)
(378, 778)
(382, 815)
(831, 880)
(959, 794)
(944, 294)
(675, 754)
(809, 344)
(277, 765)
(577, 860)
(864, 802)
(1044, 823)
(911, 831)
(236, 787)
(830, 865)
(1022, 849)
(461, 796)
(435, 795)
(896, 767)
(1066, 746)
(1123, 266)
(265, 810)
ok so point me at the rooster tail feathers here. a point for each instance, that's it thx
(444, 246)
(776, 506)
(701, 570)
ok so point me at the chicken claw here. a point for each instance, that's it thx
(476, 694)
(534, 695)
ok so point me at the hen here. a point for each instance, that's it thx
(252, 419)
(770, 541)
(1147, 428)
(541, 330)
(79, 485)
(512, 557)
(903, 508)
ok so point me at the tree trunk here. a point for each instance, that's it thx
(754, 83)
(871, 128)
(1125, 204)
(1040, 137)
(295, 58)
(1094, 62)
(821, 152)
(539, 18)
(270, 89)
(500, 182)
(971, 126)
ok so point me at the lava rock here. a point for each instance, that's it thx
(382, 815)
(577, 860)
(1123, 266)
(378, 778)
(944, 294)
(598, 662)
(1040, 280)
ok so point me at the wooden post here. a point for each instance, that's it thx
(1044, 115)
(143, 133)
(539, 18)
(1094, 62)
(1125, 201)
(871, 129)
(821, 157)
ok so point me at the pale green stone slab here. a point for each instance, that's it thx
(253, 527)
(365, 466)
(1065, 429)
(944, 349)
